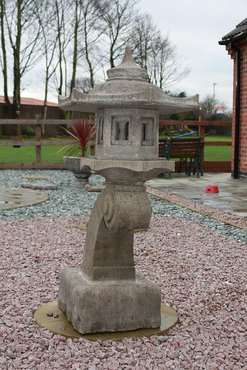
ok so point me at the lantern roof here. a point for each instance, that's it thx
(127, 86)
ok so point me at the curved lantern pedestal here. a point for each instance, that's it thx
(105, 295)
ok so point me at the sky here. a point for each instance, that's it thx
(195, 27)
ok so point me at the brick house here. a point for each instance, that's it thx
(236, 45)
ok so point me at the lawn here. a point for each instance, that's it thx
(217, 153)
(52, 154)
(49, 154)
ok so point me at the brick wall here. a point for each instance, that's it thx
(243, 106)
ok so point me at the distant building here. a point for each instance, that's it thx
(31, 101)
(220, 109)
(30, 107)
(236, 45)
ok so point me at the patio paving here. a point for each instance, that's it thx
(232, 196)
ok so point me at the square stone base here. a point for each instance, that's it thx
(108, 306)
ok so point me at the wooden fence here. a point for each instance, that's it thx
(38, 142)
(212, 166)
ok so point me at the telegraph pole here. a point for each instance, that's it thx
(214, 85)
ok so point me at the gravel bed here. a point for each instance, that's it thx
(72, 200)
(69, 199)
(202, 275)
(198, 261)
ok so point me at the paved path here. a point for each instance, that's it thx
(232, 196)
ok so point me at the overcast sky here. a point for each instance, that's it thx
(195, 27)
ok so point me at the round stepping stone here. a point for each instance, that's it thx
(14, 198)
(51, 317)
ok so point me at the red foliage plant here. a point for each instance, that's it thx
(82, 131)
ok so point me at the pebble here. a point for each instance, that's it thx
(162, 338)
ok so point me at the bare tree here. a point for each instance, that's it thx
(165, 68)
(155, 53)
(92, 31)
(144, 32)
(116, 16)
(45, 13)
(66, 36)
(208, 106)
(76, 29)
(87, 30)
(83, 84)
(20, 33)
(64, 30)
(4, 64)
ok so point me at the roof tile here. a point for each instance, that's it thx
(31, 101)
(239, 31)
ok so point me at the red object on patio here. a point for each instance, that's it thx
(211, 189)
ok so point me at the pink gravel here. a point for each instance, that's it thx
(202, 275)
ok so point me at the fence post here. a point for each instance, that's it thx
(38, 130)
(201, 132)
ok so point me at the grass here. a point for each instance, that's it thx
(217, 153)
(50, 154)
(218, 138)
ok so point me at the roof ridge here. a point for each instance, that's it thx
(242, 23)
(239, 32)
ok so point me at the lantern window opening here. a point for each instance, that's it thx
(101, 131)
(147, 126)
(121, 130)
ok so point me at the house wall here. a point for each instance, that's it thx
(243, 106)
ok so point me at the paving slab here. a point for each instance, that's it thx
(232, 196)
(43, 186)
(14, 198)
(36, 177)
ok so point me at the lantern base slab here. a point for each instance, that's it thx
(110, 305)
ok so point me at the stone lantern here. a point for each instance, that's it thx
(106, 294)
